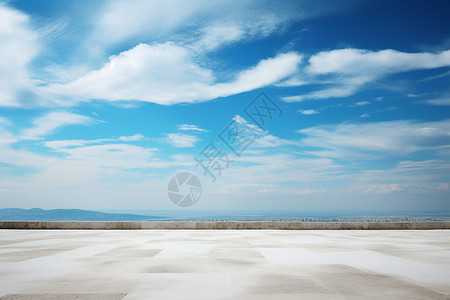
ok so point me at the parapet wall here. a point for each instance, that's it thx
(225, 225)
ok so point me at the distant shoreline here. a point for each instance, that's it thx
(78, 215)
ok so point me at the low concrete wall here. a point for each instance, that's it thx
(223, 225)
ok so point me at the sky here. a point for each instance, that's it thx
(272, 105)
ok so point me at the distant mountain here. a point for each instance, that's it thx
(37, 214)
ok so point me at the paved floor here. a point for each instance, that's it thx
(162, 264)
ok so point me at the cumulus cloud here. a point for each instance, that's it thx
(164, 73)
(168, 74)
(48, 123)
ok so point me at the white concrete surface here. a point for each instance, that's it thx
(193, 264)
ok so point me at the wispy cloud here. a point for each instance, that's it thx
(308, 112)
(4, 121)
(180, 140)
(222, 22)
(59, 144)
(133, 138)
(442, 75)
(346, 71)
(50, 122)
(264, 138)
(393, 137)
(19, 45)
(110, 155)
(382, 189)
(438, 101)
(187, 127)
(409, 171)
(360, 103)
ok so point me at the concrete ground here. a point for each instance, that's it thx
(214, 264)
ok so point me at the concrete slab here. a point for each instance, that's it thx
(225, 264)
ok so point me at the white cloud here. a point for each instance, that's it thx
(264, 139)
(281, 168)
(110, 155)
(82, 175)
(24, 158)
(48, 123)
(19, 157)
(133, 138)
(445, 74)
(212, 37)
(411, 95)
(266, 72)
(439, 101)
(136, 74)
(204, 24)
(443, 186)
(361, 103)
(409, 172)
(4, 121)
(124, 20)
(382, 189)
(168, 74)
(59, 144)
(348, 70)
(187, 127)
(292, 81)
(18, 47)
(395, 137)
(270, 141)
(265, 189)
(256, 130)
(68, 143)
(6, 137)
(358, 61)
(162, 73)
(308, 112)
(180, 140)
(340, 87)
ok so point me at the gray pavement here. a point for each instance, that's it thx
(222, 264)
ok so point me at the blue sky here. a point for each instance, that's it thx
(102, 102)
